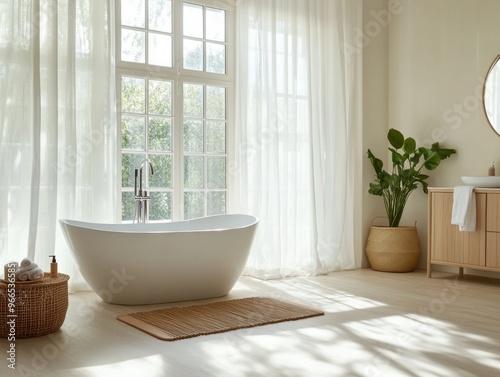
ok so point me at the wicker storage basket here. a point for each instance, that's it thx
(40, 307)
(393, 249)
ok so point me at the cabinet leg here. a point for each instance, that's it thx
(461, 271)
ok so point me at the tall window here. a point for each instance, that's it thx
(175, 90)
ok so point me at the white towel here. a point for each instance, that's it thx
(26, 262)
(29, 272)
(32, 275)
(464, 208)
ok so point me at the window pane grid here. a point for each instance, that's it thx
(147, 134)
(160, 15)
(148, 121)
(204, 39)
(146, 47)
(204, 133)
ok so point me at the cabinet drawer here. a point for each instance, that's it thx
(493, 249)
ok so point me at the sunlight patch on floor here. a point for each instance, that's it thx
(333, 301)
(376, 329)
(283, 350)
(152, 366)
(321, 334)
(489, 359)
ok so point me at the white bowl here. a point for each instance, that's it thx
(482, 181)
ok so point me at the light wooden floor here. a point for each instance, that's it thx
(375, 324)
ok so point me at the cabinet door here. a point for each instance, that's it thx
(448, 244)
(493, 249)
(493, 214)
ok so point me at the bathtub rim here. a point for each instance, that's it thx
(151, 227)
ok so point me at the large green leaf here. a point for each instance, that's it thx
(376, 163)
(396, 138)
(410, 145)
(445, 153)
(423, 177)
(397, 158)
(432, 162)
(375, 189)
(424, 186)
(442, 152)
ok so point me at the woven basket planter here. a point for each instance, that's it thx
(393, 249)
(40, 307)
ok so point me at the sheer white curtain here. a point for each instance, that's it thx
(297, 117)
(57, 125)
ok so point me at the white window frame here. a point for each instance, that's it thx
(178, 75)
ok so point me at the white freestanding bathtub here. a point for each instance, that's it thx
(137, 264)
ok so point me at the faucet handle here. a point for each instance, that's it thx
(136, 173)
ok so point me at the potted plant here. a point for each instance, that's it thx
(396, 248)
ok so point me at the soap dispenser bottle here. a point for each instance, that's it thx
(53, 267)
(491, 170)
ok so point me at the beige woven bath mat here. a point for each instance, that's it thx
(187, 322)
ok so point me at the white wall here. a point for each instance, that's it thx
(439, 52)
(373, 42)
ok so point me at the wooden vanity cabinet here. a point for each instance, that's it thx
(448, 246)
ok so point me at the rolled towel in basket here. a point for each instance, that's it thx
(27, 262)
(31, 272)
(35, 274)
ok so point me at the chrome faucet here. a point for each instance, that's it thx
(141, 214)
